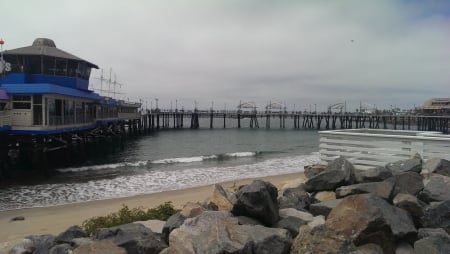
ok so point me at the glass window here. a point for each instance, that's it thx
(21, 105)
(21, 98)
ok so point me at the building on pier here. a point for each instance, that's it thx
(437, 106)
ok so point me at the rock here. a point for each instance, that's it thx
(320, 239)
(404, 248)
(328, 180)
(408, 182)
(343, 164)
(43, 243)
(174, 221)
(296, 198)
(222, 198)
(61, 249)
(76, 242)
(292, 224)
(426, 232)
(437, 216)
(291, 212)
(323, 196)
(155, 226)
(313, 170)
(317, 221)
(191, 210)
(218, 232)
(244, 220)
(376, 174)
(367, 218)
(433, 244)
(258, 200)
(437, 166)
(381, 189)
(324, 208)
(436, 188)
(410, 165)
(133, 237)
(410, 204)
(23, 247)
(99, 247)
(369, 248)
(69, 234)
(18, 218)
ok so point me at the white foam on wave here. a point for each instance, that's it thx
(241, 154)
(184, 159)
(148, 182)
(104, 166)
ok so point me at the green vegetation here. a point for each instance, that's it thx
(126, 215)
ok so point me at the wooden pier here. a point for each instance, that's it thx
(322, 121)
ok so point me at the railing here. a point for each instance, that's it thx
(367, 148)
(5, 118)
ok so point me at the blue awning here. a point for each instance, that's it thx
(42, 88)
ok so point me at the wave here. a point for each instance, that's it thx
(192, 159)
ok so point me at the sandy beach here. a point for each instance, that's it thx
(55, 219)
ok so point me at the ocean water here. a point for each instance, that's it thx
(172, 159)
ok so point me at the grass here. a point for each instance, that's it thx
(126, 215)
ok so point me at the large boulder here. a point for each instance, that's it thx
(324, 208)
(292, 224)
(191, 210)
(258, 200)
(312, 170)
(437, 243)
(328, 180)
(381, 189)
(23, 247)
(135, 238)
(426, 232)
(222, 198)
(218, 232)
(321, 239)
(410, 165)
(156, 226)
(42, 243)
(367, 218)
(323, 196)
(174, 221)
(70, 233)
(436, 188)
(410, 204)
(99, 247)
(437, 215)
(343, 164)
(296, 198)
(437, 166)
(291, 212)
(409, 182)
(376, 174)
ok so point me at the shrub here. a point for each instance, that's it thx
(126, 215)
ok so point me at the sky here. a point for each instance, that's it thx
(218, 53)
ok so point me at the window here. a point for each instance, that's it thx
(21, 102)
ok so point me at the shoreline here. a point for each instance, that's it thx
(56, 219)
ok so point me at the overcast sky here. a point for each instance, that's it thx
(295, 52)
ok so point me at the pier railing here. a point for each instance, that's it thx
(367, 148)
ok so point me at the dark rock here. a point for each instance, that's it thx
(328, 180)
(437, 216)
(244, 220)
(174, 221)
(133, 237)
(376, 174)
(381, 189)
(320, 239)
(437, 166)
(218, 232)
(18, 218)
(312, 170)
(408, 182)
(61, 249)
(258, 200)
(433, 244)
(69, 234)
(426, 232)
(99, 247)
(410, 204)
(410, 165)
(436, 188)
(296, 198)
(367, 218)
(324, 208)
(369, 248)
(404, 248)
(344, 165)
(43, 243)
(292, 224)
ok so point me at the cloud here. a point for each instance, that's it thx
(300, 52)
